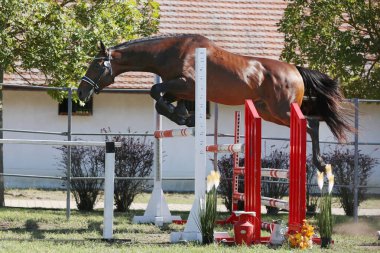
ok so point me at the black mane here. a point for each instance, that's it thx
(148, 39)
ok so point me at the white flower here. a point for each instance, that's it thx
(320, 180)
(331, 183)
(328, 170)
(213, 180)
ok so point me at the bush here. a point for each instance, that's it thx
(133, 159)
(312, 190)
(225, 166)
(275, 187)
(276, 159)
(85, 162)
(343, 168)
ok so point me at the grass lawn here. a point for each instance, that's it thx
(171, 198)
(44, 230)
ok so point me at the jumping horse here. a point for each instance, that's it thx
(231, 79)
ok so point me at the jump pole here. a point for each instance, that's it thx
(109, 176)
(157, 211)
(192, 230)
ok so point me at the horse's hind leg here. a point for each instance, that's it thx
(282, 113)
(313, 130)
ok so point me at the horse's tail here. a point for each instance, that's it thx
(326, 99)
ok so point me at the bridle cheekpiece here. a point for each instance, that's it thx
(106, 66)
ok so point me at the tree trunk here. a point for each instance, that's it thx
(2, 203)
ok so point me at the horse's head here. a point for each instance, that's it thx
(98, 75)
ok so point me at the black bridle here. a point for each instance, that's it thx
(106, 66)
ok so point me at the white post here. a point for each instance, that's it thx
(157, 211)
(192, 230)
(109, 176)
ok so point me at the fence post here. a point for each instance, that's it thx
(68, 180)
(356, 160)
(2, 190)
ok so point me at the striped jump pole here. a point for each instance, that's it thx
(226, 148)
(109, 175)
(282, 204)
(174, 133)
(274, 173)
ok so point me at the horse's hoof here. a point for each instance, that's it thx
(190, 121)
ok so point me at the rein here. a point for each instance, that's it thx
(95, 83)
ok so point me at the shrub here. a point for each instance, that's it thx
(86, 161)
(342, 161)
(133, 159)
(276, 159)
(312, 190)
(225, 166)
(275, 187)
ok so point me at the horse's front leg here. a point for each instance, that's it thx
(313, 130)
(162, 93)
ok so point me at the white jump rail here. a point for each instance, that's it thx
(109, 176)
(226, 148)
(274, 173)
(175, 133)
(282, 204)
(57, 142)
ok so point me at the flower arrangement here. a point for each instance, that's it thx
(208, 211)
(303, 238)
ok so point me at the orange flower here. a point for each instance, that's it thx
(302, 239)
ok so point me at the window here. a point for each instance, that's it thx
(77, 109)
(190, 106)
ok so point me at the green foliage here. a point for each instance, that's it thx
(207, 217)
(325, 217)
(56, 37)
(225, 166)
(341, 38)
(278, 159)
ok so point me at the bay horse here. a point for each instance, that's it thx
(231, 79)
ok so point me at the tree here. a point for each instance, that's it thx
(341, 38)
(57, 37)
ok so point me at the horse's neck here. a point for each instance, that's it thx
(137, 57)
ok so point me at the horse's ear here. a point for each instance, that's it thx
(101, 47)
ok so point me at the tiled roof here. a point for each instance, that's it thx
(241, 26)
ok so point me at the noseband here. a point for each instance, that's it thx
(95, 83)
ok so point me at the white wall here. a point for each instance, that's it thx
(34, 110)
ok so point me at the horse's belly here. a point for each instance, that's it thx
(229, 93)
